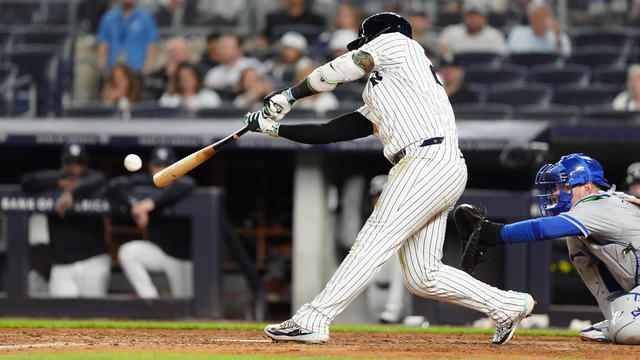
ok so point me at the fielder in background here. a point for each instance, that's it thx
(407, 107)
(603, 237)
(79, 255)
(168, 249)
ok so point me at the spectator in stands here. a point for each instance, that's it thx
(210, 57)
(320, 102)
(252, 88)
(79, 255)
(629, 100)
(541, 35)
(283, 67)
(185, 89)
(453, 77)
(173, 12)
(155, 84)
(169, 246)
(123, 87)
(295, 15)
(420, 25)
(222, 12)
(347, 18)
(232, 64)
(128, 34)
(473, 35)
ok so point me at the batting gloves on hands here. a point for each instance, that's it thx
(258, 123)
(277, 104)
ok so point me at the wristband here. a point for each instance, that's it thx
(289, 96)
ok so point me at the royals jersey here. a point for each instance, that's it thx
(404, 96)
(611, 229)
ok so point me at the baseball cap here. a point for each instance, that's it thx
(377, 184)
(295, 40)
(162, 156)
(475, 6)
(449, 60)
(74, 152)
(341, 38)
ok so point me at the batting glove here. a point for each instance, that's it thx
(277, 104)
(258, 123)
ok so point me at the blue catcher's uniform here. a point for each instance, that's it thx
(603, 239)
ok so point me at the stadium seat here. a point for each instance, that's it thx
(41, 35)
(486, 59)
(482, 111)
(516, 95)
(602, 36)
(614, 76)
(42, 64)
(535, 59)
(224, 112)
(581, 96)
(90, 112)
(570, 75)
(506, 75)
(154, 111)
(605, 112)
(595, 56)
(550, 113)
(18, 12)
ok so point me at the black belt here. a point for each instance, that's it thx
(432, 141)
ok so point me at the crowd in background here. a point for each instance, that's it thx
(295, 37)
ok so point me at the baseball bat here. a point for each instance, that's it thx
(167, 175)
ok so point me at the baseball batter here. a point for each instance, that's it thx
(408, 109)
(603, 238)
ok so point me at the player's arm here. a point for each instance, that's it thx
(87, 184)
(346, 127)
(348, 67)
(546, 228)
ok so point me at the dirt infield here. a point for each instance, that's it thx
(371, 345)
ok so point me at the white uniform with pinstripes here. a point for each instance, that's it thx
(405, 101)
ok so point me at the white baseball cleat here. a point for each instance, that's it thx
(598, 332)
(290, 331)
(504, 334)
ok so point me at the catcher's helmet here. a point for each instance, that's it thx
(380, 23)
(572, 169)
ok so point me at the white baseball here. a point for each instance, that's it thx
(132, 162)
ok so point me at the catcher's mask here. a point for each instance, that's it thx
(377, 24)
(556, 181)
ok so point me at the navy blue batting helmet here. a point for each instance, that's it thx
(572, 169)
(380, 23)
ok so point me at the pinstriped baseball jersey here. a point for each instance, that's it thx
(404, 97)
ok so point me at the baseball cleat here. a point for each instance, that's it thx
(598, 332)
(290, 331)
(504, 334)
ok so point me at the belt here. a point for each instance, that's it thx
(432, 141)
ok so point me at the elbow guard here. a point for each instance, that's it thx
(339, 70)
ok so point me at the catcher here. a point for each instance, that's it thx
(603, 238)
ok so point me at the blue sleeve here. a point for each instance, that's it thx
(152, 30)
(545, 228)
(103, 33)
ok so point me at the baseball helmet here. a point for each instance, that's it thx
(74, 152)
(572, 169)
(162, 156)
(633, 174)
(380, 23)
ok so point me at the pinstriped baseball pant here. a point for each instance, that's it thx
(410, 219)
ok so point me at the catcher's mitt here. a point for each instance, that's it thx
(476, 235)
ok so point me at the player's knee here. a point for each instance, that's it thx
(126, 253)
(424, 282)
(625, 319)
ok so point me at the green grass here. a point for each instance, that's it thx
(195, 325)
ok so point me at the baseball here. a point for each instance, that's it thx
(132, 162)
